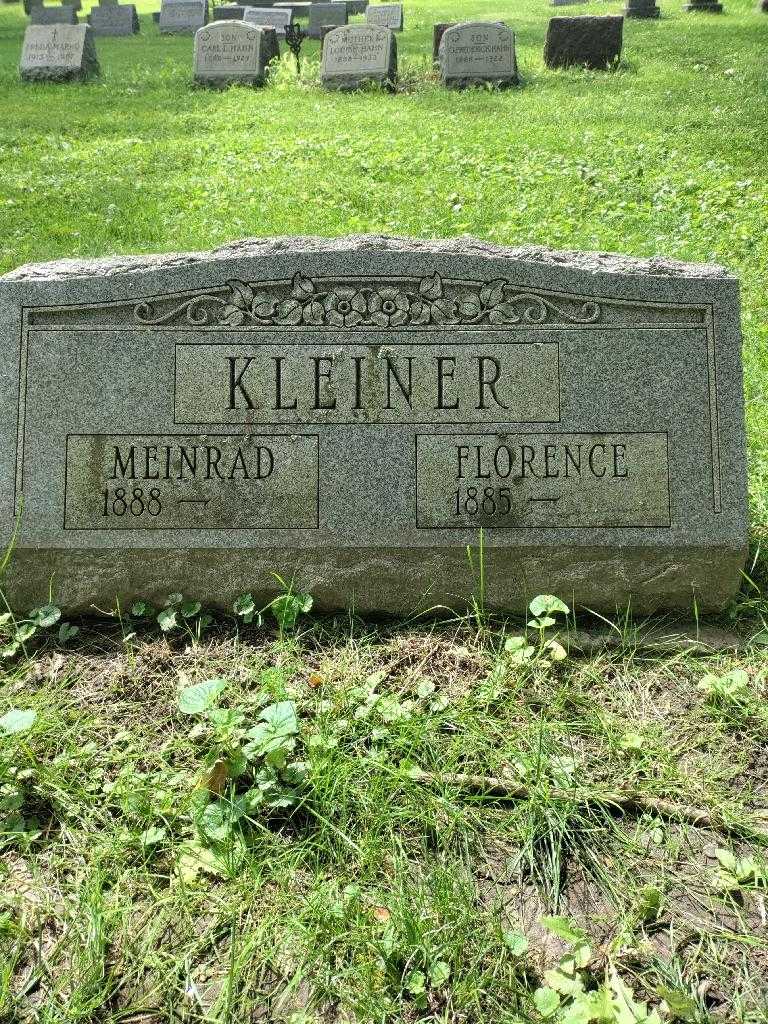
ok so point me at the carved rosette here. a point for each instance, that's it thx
(428, 301)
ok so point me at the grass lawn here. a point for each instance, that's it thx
(369, 876)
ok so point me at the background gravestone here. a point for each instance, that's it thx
(387, 15)
(182, 17)
(354, 6)
(587, 41)
(231, 52)
(476, 52)
(354, 55)
(63, 15)
(58, 53)
(325, 14)
(114, 20)
(642, 9)
(437, 35)
(706, 6)
(229, 12)
(350, 412)
(274, 17)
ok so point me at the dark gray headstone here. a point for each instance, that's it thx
(355, 55)
(437, 35)
(299, 8)
(349, 413)
(230, 52)
(642, 9)
(704, 6)
(386, 15)
(156, 17)
(325, 14)
(58, 53)
(587, 41)
(62, 15)
(114, 20)
(477, 52)
(182, 17)
(229, 12)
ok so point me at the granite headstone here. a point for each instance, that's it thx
(277, 18)
(355, 55)
(114, 20)
(325, 14)
(704, 6)
(229, 12)
(58, 53)
(349, 413)
(437, 35)
(386, 15)
(590, 41)
(182, 17)
(62, 15)
(641, 9)
(230, 52)
(477, 52)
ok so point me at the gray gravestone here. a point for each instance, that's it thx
(476, 52)
(230, 52)
(114, 20)
(386, 15)
(229, 12)
(350, 412)
(64, 15)
(325, 14)
(567, 3)
(706, 6)
(642, 9)
(274, 17)
(58, 53)
(182, 17)
(357, 54)
(588, 41)
(354, 6)
(299, 8)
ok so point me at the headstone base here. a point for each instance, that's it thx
(642, 9)
(707, 8)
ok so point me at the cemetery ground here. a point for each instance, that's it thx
(444, 813)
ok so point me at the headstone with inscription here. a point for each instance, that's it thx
(230, 52)
(58, 53)
(62, 15)
(229, 12)
(182, 17)
(355, 55)
(114, 20)
(478, 52)
(325, 14)
(386, 15)
(274, 17)
(589, 41)
(350, 413)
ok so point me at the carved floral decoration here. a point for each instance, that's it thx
(427, 302)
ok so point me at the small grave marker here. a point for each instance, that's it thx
(231, 52)
(182, 17)
(58, 53)
(114, 20)
(357, 54)
(277, 18)
(386, 15)
(325, 14)
(476, 52)
(587, 41)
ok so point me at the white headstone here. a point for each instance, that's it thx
(227, 52)
(58, 53)
(476, 52)
(356, 54)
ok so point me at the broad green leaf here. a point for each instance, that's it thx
(547, 604)
(46, 616)
(565, 978)
(67, 632)
(439, 974)
(189, 609)
(152, 836)
(16, 721)
(546, 1002)
(167, 619)
(198, 697)
(25, 631)
(282, 718)
(565, 928)
(516, 943)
